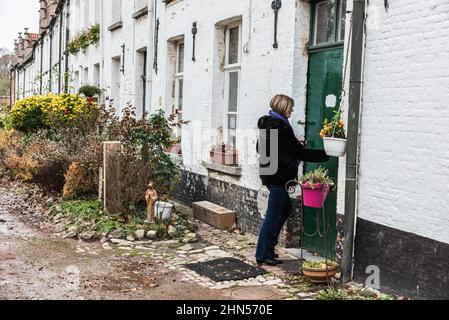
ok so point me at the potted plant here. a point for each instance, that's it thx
(224, 154)
(315, 186)
(90, 92)
(334, 136)
(319, 271)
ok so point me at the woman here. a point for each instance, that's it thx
(289, 154)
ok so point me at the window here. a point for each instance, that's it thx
(179, 81)
(116, 80)
(76, 79)
(140, 4)
(86, 14)
(86, 76)
(141, 80)
(97, 11)
(116, 11)
(77, 15)
(96, 75)
(342, 19)
(232, 80)
(329, 21)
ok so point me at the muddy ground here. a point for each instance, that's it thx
(35, 264)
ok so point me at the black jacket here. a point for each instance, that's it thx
(290, 152)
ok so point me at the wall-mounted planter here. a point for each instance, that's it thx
(224, 158)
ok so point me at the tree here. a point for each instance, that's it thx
(5, 63)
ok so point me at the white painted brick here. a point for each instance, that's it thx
(404, 169)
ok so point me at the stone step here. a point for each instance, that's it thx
(213, 214)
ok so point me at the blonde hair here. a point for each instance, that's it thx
(281, 103)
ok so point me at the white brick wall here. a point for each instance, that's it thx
(265, 71)
(404, 180)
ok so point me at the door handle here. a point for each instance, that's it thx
(304, 122)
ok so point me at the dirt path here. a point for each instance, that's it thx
(34, 264)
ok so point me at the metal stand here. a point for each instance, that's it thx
(322, 234)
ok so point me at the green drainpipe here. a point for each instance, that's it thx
(352, 158)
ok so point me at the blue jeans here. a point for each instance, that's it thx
(278, 211)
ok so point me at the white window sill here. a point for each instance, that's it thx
(140, 13)
(230, 170)
(115, 26)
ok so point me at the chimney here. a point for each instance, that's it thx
(43, 13)
(26, 40)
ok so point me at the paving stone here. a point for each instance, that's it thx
(211, 248)
(218, 254)
(186, 247)
(273, 282)
(125, 248)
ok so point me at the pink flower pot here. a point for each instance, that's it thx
(314, 197)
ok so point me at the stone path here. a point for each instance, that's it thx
(36, 263)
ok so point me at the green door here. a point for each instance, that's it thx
(323, 98)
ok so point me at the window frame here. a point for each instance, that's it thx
(338, 15)
(116, 18)
(178, 77)
(228, 69)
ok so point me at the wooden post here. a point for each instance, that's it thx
(112, 182)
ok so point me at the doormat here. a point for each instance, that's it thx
(225, 269)
(291, 266)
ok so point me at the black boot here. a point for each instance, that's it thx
(268, 262)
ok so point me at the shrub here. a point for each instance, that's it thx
(84, 39)
(50, 111)
(89, 91)
(20, 167)
(52, 160)
(75, 183)
(143, 159)
(27, 114)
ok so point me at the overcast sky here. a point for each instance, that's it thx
(16, 15)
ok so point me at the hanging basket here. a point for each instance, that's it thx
(314, 197)
(334, 147)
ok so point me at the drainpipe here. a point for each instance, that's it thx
(11, 84)
(50, 82)
(61, 13)
(352, 159)
(42, 66)
(67, 39)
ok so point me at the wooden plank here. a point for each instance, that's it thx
(112, 177)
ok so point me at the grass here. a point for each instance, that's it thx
(341, 294)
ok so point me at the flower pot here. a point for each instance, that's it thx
(224, 158)
(334, 147)
(163, 210)
(314, 197)
(320, 275)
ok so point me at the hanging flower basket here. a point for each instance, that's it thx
(334, 136)
(314, 196)
(334, 147)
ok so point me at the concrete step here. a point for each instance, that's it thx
(213, 214)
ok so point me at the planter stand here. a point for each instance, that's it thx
(329, 271)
